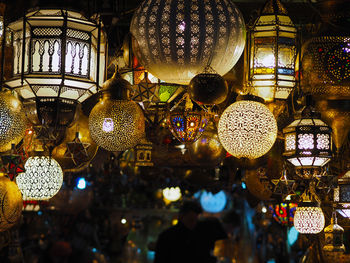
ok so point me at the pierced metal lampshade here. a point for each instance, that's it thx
(334, 237)
(177, 39)
(309, 218)
(11, 203)
(42, 179)
(115, 123)
(308, 141)
(12, 121)
(272, 47)
(247, 129)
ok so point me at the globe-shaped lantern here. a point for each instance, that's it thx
(50, 83)
(11, 203)
(208, 88)
(309, 218)
(177, 39)
(42, 179)
(247, 128)
(308, 141)
(12, 121)
(116, 123)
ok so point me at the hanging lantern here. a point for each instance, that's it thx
(177, 39)
(309, 218)
(145, 92)
(77, 149)
(341, 195)
(115, 123)
(207, 150)
(283, 213)
(184, 123)
(272, 47)
(172, 194)
(334, 236)
(213, 203)
(11, 203)
(208, 88)
(50, 83)
(247, 129)
(42, 179)
(13, 121)
(143, 153)
(308, 142)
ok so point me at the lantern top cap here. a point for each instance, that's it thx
(273, 7)
(116, 87)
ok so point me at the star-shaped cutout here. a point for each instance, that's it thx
(146, 92)
(13, 164)
(77, 150)
(283, 186)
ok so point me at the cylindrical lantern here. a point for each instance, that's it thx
(272, 47)
(177, 39)
(308, 142)
(42, 179)
(13, 121)
(247, 128)
(309, 218)
(50, 83)
(11, 203)
(116, 123)
(334, 237)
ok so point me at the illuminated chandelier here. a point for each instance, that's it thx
(186, 124)
(50, 83)
(247, 128)
(42, 179)
(308, 141)
(272, 53)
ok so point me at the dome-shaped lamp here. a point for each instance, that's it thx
(177, 39)
(247, 128)
(42, 179)
(116, 123)
(12, 121)
(334, 236)
(185, 123)
(208, 88)
(308, 141)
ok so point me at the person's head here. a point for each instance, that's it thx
(189, 212)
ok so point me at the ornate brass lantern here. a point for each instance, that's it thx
(272, 47)
(308, 142)
(59, 61)
(334, 236)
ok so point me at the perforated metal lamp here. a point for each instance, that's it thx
(272, 52)
(50, 83)
(308, 141)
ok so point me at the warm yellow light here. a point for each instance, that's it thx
(172, 194)
(309, 220)
(247, 129)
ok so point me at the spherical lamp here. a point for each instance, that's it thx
(11, 203)
(309, 218)
(116, 123)
(208, 88)
(42, 179)
(177, 39)
(12, 121)
(247, 129)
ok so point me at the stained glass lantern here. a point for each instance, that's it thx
(177, 39)
(272, 47)
(283, 213)
(42, 179)
(334, 236)
(50, 83)
(308, 141)
(186, 124)
(309, 218)
(12, 121)
(116, 123)
(247, 128)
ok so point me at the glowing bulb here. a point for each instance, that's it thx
(264, 210)
(81, 183)
(108, 125)
(123, 221)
